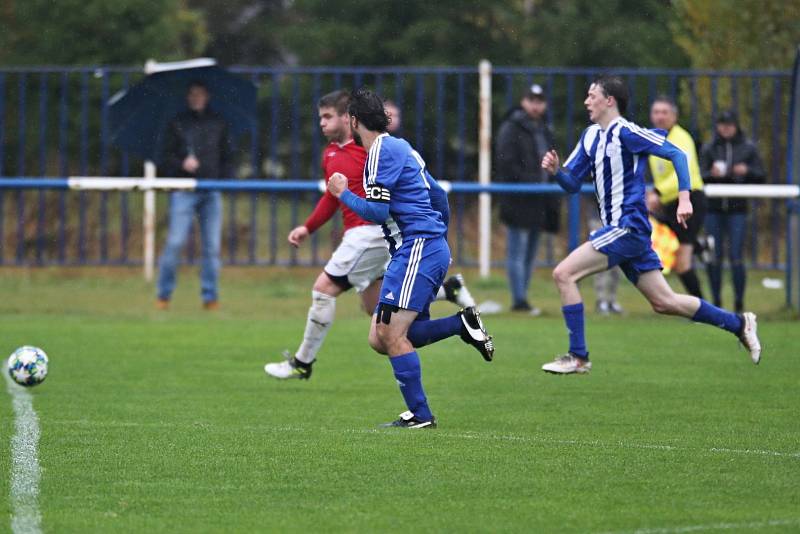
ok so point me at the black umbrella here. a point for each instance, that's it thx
(140, 114)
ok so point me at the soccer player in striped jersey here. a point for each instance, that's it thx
(399, 189)
(613, 152)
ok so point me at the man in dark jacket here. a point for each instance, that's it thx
(197, 146)
(522, 141)
(729, 158)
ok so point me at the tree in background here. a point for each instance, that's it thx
(462, 32)
(632, 33)
(746, 34)
(612, 33)
(98, 31)
(244, 32)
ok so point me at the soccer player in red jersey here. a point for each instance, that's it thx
(361, 258)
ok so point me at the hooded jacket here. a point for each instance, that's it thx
(738, 149)
(520, 145)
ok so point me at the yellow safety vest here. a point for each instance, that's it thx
(665, 179)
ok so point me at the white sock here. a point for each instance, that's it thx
(441, 295)
(318, 322)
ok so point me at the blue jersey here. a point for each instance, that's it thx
(395, 174)
(612, 158)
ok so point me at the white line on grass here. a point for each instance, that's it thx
(623, 445)
(753, 525)
(445, 433)
(25, 515)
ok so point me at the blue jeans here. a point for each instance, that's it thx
(183, 207)
(521, 244)
(728, 231)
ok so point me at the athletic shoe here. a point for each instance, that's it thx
(456, 291)
(162, 304)
(705, 248)
(521, 306)
(211, 305)
(474, 333)
(291, 367)
(748, 336)
(606, 307)
(409, 420)
(568, 364)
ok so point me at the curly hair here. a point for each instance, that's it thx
(367, 108)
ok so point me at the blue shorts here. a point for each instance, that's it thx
(415, 273)
(633, 252)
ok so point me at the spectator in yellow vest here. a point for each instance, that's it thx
(662, 201)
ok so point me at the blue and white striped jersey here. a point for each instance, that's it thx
(395, 174)
(612, 157)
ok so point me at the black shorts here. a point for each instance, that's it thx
(668, 216)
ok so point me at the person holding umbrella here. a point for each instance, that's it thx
(197, 145)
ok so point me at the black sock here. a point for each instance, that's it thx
(691, 283)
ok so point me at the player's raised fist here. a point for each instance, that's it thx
(337, 184)
(550, 162)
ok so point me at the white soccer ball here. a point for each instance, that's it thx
(27, 366)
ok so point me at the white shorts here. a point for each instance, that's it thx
(361, 257)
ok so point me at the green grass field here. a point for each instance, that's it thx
(165, 422)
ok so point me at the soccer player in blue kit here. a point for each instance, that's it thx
(399, 190)
(613, 151)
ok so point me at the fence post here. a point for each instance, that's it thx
(484, 167)
(149, 222)
(793, 177)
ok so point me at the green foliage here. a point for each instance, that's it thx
(745, 34)
(98, 31)
(613, 33)
(546, 32)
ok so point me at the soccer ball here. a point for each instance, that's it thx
(27, 366)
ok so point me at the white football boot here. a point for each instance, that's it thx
(568, 364)
(749, 337)
(456, 291)
(290, 367)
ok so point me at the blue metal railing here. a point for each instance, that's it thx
(53, 122)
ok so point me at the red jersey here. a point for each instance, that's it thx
(348, 159)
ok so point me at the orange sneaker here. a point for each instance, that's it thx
(211, 305)
(162, 304)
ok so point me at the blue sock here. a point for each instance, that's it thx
(408, 373)
(573, 316)
(710, 314)
(423, 333)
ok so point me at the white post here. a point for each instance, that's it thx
(149, 221)
(484, 167)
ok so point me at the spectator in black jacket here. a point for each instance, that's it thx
(729, 158)
(197, 146)
(522, 141)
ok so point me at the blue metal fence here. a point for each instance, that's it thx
(54, 122)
